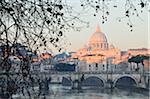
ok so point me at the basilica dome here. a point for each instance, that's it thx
(98, 40)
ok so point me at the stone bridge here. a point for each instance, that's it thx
(99, 79)
(96, 79)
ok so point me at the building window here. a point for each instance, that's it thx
(89, 67)
(103, 67)
(97, 45)
(96, 66)
(104, 45)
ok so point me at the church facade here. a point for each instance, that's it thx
(98, 53)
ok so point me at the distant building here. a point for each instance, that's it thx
(62, 58)
(47, 61)
(147, 64)
(4, 50)
(136, 52)
(34, 58)
(20, 51)
(140, 51)
(45, 55)
(35, 67)
(64, 67)
(98, 53)
(15, 64)
(16, 55)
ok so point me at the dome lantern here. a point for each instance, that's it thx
(98, 28)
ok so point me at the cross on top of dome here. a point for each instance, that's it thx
(98, 28)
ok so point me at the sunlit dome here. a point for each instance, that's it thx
(98, 39)
(98, 36)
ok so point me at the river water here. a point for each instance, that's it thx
(61, 92)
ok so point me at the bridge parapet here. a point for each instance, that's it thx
(56, 77)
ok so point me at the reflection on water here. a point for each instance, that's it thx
(61, 92)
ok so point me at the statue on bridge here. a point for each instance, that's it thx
(77, 83)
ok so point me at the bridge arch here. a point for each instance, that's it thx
(125, 81)
(66, 81)
(93, 81)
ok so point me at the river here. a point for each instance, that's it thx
(61, 92)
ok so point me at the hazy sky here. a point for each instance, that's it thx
(117, 33)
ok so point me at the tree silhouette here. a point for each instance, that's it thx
(35, 24)
(132, 9)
